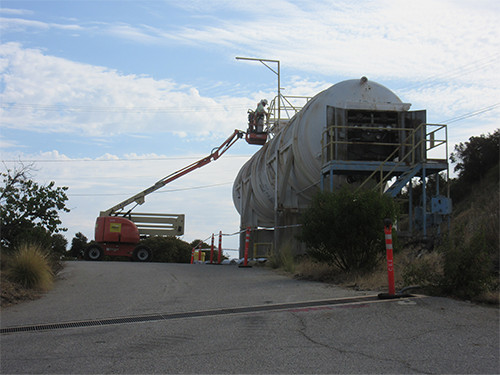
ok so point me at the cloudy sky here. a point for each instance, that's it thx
(107, 97)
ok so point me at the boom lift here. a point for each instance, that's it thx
(118, 232)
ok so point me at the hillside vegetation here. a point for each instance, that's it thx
(463, 263)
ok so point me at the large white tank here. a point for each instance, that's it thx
(295, 153)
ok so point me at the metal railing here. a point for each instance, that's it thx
(290, 105)
(418, 142)
(156, 224)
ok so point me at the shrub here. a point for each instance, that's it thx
(30, 267)
(345, 229)
(461, 266)
(425, 271)
(168, 249)
(468, 270)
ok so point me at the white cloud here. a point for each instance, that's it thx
(6, 144)
(18, 24)
(10, 11)
(129, 32)
(428, 44)
(51, 94)
(391, 38)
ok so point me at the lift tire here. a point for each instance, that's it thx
(142, 254)
(93, 252)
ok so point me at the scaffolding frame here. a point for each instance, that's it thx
(396, 172)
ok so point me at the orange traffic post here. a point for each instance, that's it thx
(199, 252)
(192, 256)
(390, 261)
(212, 250)
(247, 244)
(219, 257)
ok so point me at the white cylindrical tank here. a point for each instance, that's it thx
(295, 153)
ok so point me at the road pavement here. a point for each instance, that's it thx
(138, 318)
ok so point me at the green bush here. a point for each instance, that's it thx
(468, 269)
(461, 267)
(346, 229)
(30, 267)
(168, 249)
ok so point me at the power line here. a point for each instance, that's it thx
(112, 160)
(464, 69)
(156, 192)
(471, 114)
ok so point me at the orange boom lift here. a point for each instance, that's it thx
(118, 232)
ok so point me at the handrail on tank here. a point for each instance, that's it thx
(428, 140)
(286, 106)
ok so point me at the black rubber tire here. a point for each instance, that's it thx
(142, 254)
(93, 252)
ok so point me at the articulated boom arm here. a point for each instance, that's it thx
(140, 197)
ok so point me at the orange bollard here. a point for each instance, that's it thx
(212, 250)
(390, 266)
(390, 260)
(247, 243)
(219, 258)
(192, 256)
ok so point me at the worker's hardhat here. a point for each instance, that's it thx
(264, 101)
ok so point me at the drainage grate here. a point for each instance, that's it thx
(192, 314)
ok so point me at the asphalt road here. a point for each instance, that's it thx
(172, 318)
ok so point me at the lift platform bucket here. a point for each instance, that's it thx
(256, 138)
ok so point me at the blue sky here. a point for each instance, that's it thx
(110, 96)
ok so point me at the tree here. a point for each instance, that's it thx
(78, 244)
(26, 206)
(476, 157)
(346, 229)
(59, 244)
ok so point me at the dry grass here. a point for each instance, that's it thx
(377, 280)
(412, 266)
(30, 267)
(306, 269)
(13, 293)
(284, 258)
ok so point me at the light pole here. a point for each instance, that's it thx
(276, 197)
(277, 72)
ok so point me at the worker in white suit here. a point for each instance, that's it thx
(260, 113)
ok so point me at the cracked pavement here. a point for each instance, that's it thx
(425, 335)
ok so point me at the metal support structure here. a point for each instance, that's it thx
(409, 159)
(277, 72)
